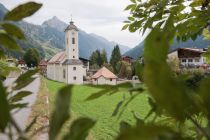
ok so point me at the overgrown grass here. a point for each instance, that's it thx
(101, 109)
(40, 110)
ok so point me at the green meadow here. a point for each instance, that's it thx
(101, 109)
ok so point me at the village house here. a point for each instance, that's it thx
(66, 66)
(127, 59)
(104, 77)
(188, 57)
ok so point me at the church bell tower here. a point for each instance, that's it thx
(71, 41)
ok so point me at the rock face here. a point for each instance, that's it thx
(48, 38)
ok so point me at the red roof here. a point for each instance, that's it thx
(105, 73)
(59, 57)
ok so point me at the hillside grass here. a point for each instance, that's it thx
(101, 109)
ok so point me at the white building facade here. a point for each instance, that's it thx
(188, 57)
(66, 66)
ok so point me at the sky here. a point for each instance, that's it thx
(102, 17)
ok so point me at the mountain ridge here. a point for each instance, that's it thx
(137, 51)
(49, 38)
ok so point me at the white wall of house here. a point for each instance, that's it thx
(192, 61)
(173, 55)
(104, 81)
(50, 71)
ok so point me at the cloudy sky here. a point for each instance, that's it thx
(102, 17)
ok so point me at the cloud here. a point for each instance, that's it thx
(101, 17)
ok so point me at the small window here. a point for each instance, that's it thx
(75, 78)
(95, 79)
(73, 56)
(73, 49)
(64, 74)
(197, 60)
(183, 60)
(73, 40)
(74, 68)
(67, 41)
(110, 79)
(190, 60)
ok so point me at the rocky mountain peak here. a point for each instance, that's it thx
(55, 23)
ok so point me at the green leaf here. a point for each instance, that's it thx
(80, 129)
(19, 96)
(124, 126)
(158, 76)
(150, 132)
(117, 108)
(25, 79)
(13, 30)
(109, 89)
(61, 112)
(125, 27)
(204, 93)
(4, 108)
(22, 11)
(131, 18)
(131, 6)
(133, 1)
(8, 42)
(28, 128)
(18, 105)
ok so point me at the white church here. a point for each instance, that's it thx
(66, 66)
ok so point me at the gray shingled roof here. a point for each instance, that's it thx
(72, 27)
(72, 62)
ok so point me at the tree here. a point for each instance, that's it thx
(98, 58)
(115, 57)
(104, 56)
(108, 66)
(32, 57)
(93, 58)
(124, 69)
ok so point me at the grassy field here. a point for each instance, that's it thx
(101, 109)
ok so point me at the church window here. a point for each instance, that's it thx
(64, 74)
(73, 40)
(75, 78)
(74, 68)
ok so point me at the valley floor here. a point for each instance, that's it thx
(101, 109)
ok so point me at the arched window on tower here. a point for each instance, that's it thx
(73, 40)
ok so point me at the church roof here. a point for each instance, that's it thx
(59, 57)
(71, 27)
(105, 73)
(72, 62)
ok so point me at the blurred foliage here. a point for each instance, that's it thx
(171, 95)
